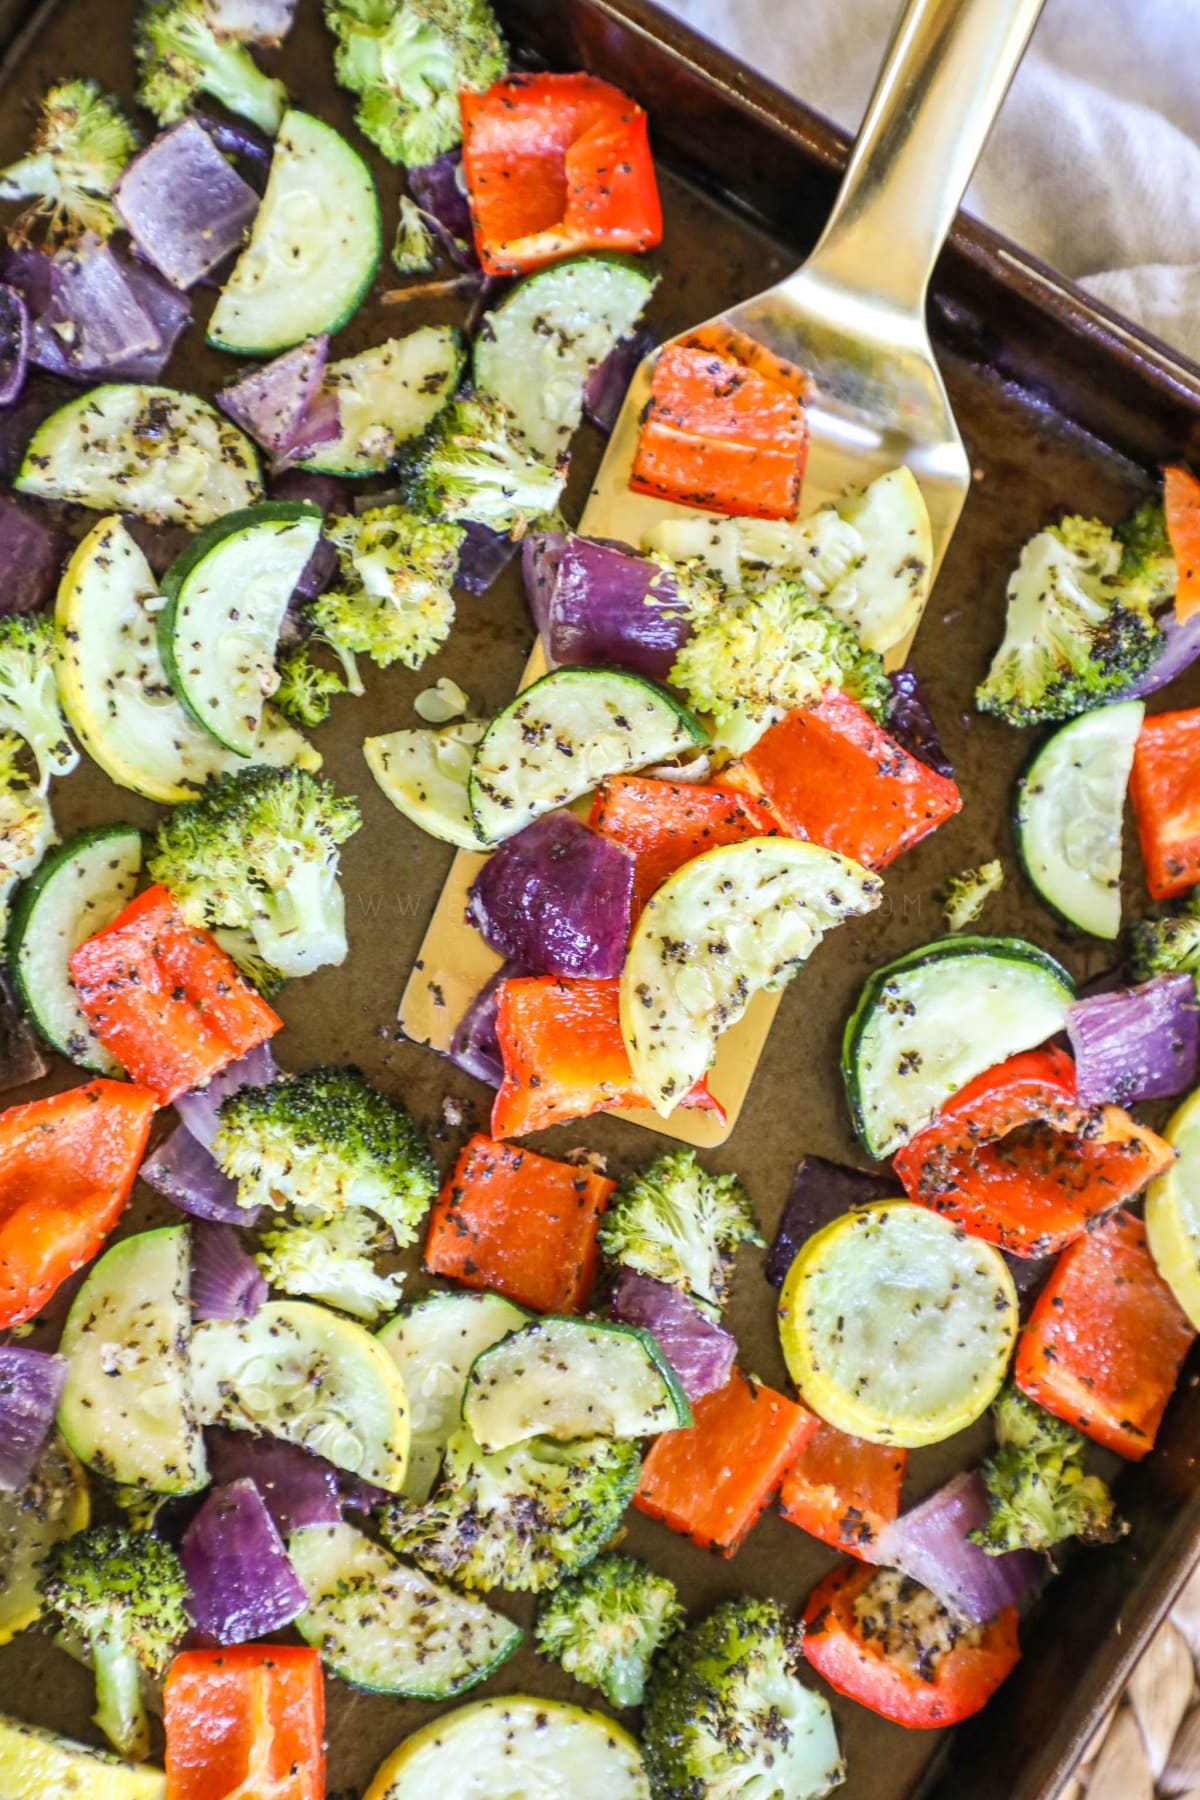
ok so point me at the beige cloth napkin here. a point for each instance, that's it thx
(1094, 163)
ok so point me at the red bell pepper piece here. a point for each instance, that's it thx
(833, 775)
(842, 1489)
(1105, 1341)
(554, 165)
(1181, 502)
(850, 1647)
(724, 429)
(66, 1170)
(247, 1721)
(1015, 1159)
(664, 824)
(1164, 786)
(564, 1056)
(519, 1224)
(713, 1478)
(165, 998)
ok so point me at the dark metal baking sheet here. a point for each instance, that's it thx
(1061, 404)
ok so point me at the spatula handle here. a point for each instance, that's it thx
(946, 71)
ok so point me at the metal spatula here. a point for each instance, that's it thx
(853, 319)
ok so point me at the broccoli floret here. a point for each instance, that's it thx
(324, 1141)
(180, 56)
(332, 1260)
(679, 1223)
(26, 824)
(1167, 946)
(1038, 1488)
(29, 703)
(521, 1518)
(605, 1624)
(123, 1594)
(407, 60)
(965, 895)
(1073, 635)
(257, 852)
(395, 603)
(474, 463)
(412, 252)
(1147, 570)
(726, 1715)
(779, 648)
(82, 142)
(305, 692)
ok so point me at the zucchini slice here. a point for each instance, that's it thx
(314, 245)
(41, 1765)
(537, 349)
(1173, 1211)
(79, 888)
(155, 451)
(305, 1374)
(386, 397)
(563, 736)
(727, 924)
(53, 1504)
(931, 1021)
(114, 688)
(384, 1626)
(570, 1378)
(544, 1749)
(896, 1326)
(1069, 812)
(226, 596)
(433, 1343)
(126, 1409)
(425, 773)
(868, 556)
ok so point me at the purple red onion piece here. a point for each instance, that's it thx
(1139, 1043)
(182, 1171)
(297, 1487)
(1179, 649)
(198, 1108)
(271, 403)
(32, 553)
(226, 1280)
(437, 190)
(31, 1385)
(603, 604)
(481, 557)
(821, 1191)
(242, 1584)
(605, 389)
(14, 343)
(183, 205)
(252, 21)
(474, 1047)
(557, 897)
(701, 1352)
(910, 722)
(930, 1544)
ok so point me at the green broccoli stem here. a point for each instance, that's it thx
(304, 926)
(244, 90)
(32, 175)
(120, 1711)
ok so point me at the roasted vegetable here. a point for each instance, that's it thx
(305, 690)
(332, 1260)
(181, 56)
(1039, 1491)
(122, 1596)
(408, 60)
(256, 854)
(727, 1715)
(520, 1518)
(474, 464)
(965, 895)
(324, 1141)
(81, 143)
(29, 703)
(606, 1624)
(681, 1224)
(393, 603)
